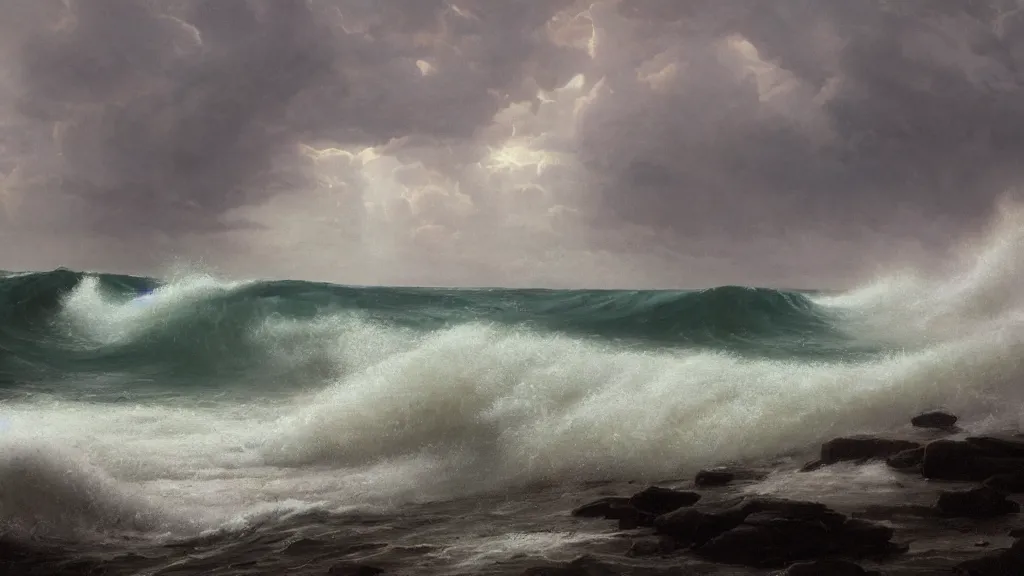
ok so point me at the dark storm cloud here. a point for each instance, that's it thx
(770, 138)
(483, 55)
(167, 114)
(891, 106)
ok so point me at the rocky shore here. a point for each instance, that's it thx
(938, 501)
(803, 538)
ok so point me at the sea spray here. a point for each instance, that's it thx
(219, 401)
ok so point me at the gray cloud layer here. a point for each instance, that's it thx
(640, 142)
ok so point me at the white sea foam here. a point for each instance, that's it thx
(399, 415)
(103, 320)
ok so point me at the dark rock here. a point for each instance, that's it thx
(689, 526)
(696, 526)
(887, 511)
(630, 518)
(582, 566)
(976, 458)
(983, 502)
(651, 547)
(799, 509)
(767, 545)
(1016, 533)
(639, 510)
(998, 446)
(611, 508)
(1008, 562)
(769, 532)
(952, 460)
(772, 539)
(907, 459)
(862, 448)
(936, 419)
(1012, 482)
(722, 476)
(827, 568)
(347, 569)
(865, 536)
(813, 465)
(657, 501)
(719, 477)
(982, 543)
(986, 466)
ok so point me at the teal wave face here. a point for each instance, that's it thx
(64, 321)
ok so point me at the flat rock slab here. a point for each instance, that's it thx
(936, 419)
(973, 459)
(982, 502)
(657, 501)
(859, 449)
(725, 475)
(907, 459)
(1012, 483)
(1009, 562)
(771, 532)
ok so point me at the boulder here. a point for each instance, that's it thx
(772, 539)
(651, 547)
(770, 532)
(1007, 562)
(688, 526)
(998, 446)
(973, 458)
(813, 465)
(799, 509)
(638, 510)
(610, 508)
(862, 448)
(717, 477)
(722, 476)
(657, 501)
(696, 526)
(764, 547)
(1012, 482)
(982, 502)
(936, 419)
(630, 518)
(890, 511)
(907, 459)
(952, 460)
(864, 535)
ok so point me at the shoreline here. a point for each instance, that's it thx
(932, 501)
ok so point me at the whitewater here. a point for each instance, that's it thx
(210, 406)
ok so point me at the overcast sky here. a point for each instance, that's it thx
(647, 143)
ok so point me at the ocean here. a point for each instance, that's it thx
(164, 409)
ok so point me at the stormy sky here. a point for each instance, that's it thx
(645, 143)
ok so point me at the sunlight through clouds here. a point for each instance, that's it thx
(426, 141)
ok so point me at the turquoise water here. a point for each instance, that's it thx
(185, 404)
(206, 335)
